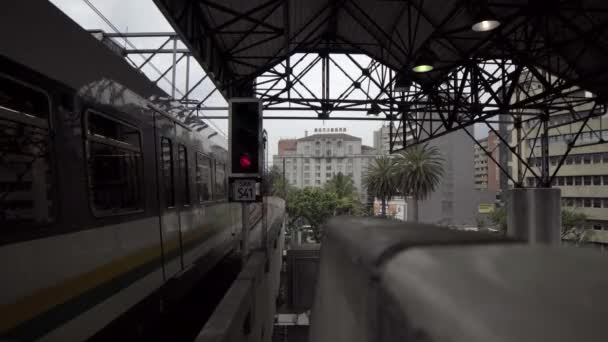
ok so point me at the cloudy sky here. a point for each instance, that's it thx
(143, 16)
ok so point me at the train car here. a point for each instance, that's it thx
(105, 200)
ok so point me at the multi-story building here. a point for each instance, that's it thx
(583, 176)
(315, 159)
(382, 139)
(455, 201)
(487, 172)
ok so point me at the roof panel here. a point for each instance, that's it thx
(573, 34)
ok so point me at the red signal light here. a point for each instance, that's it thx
(245, 161)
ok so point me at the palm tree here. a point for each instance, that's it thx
(342, 185)
(419, 172)
(344, 188)
(380, 179)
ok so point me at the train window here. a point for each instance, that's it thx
(203, 178)
(166, 158)
(20, 98)
(220, 181)
(115, 167)
(26, 181)
(182, 155)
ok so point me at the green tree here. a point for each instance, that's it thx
(499, 219)
(275, 184)
(346, 192)
(573, 225)
(419, 172)
(380, 181)
(314, 205)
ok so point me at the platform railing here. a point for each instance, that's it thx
(384, 280)
(246, 313)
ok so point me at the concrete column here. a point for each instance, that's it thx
(534, 215)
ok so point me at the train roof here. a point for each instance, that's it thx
(38, 34)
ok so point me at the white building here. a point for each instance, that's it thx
(315, 159)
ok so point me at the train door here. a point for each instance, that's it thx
(169, 216)
(185, 166)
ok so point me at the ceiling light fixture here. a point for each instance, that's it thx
(424, 62)
(484, 20)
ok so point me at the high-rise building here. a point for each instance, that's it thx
(487, 172)
(382, 139)
(583, 177)
(455, 201)
(315, 159)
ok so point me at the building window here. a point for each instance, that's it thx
(26, 185)
(182, 157)
(350, 149)
(339, 144)
(560, 180)
(328, 168)
(597, 226)
(318, 167)
(114, 164)
(597, 202)
(597, 180)
(318, 182)
(328, 175)
(587, 202)
(553, 160)
(569, 180)
(597, 158)
(605, 202)
(586, 159)
(578, 159)
(578, 202)
(318, 175)
(587, 180)
(578, 180)
(203, 178)
(569, 202)
(306, 167)
(605, 179)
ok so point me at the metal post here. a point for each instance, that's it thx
(519, 164)
(546, 183)
(264, 232)
(173, 73)
(534, 215)
(244, 233)
(187, 78)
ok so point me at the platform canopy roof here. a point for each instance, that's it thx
(237, 40)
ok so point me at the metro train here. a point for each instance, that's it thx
(105, 199)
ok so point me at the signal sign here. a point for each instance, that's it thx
(245, 135)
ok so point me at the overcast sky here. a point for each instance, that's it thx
(143, 16)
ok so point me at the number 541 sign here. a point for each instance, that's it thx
(244, 190)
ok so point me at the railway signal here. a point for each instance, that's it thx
(246, 149)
